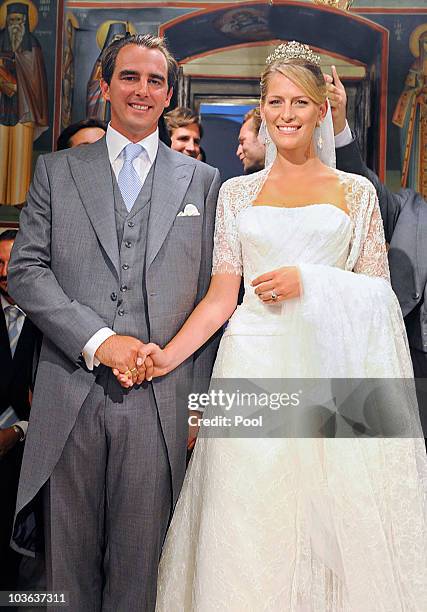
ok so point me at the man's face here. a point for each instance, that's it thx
(5, 249)
(250, 151)
(16, 29)
(138, 91)
(15, 19)
(186, 140)
(86, 136)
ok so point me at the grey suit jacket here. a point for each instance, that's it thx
(64, 267)
(404, 217)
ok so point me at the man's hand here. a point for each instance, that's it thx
(125, 354)
(8, 439)
(193, 428)
(338, 100)
(279, 285)
(156, 362)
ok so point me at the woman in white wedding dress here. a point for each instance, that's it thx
(298, 524)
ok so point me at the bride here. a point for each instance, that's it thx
(298, 524)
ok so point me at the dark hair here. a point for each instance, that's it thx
(8, 235)
(181, 116)
(64, 140)
(109, 56)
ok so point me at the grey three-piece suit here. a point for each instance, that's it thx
(111, 460)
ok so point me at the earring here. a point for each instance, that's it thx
(320, 141)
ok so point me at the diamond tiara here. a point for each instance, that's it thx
(293, 50)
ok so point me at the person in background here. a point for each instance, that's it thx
(404, 216)
(251, 151)
(19, 346)
(185, 131)
(82, 132)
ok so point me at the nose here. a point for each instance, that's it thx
(141, 88)
(3, 267)
(239, 151)
(288, 113)
(190, 146)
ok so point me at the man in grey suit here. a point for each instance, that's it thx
(114, 250)
(404, 216)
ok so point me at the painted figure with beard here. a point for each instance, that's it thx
(23, 98)
(410, 115)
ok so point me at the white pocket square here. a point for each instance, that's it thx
(189, 211)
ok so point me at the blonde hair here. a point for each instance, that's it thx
(304, 74)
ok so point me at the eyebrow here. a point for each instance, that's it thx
(153, 75)
(272, 95)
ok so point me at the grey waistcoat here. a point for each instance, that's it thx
(130, 317)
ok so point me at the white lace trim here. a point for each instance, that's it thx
(367, 254)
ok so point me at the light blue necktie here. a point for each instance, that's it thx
(128, 180)
(13, 313)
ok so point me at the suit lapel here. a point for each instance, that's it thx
(172, 177)
(91, 171)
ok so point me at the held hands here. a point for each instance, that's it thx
(152, 362)
(279, 285)
(338, 100)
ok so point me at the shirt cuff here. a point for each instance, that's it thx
(93, 344)
(24, 426)
(344, 138)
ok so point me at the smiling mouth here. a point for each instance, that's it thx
(139, 107)
(291, 129)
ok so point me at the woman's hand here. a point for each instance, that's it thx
(279, 285)
(152, 362)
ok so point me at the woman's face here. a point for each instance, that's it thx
(290, 114)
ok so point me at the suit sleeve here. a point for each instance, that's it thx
(67, 323)
(205, 356)
(349, 159)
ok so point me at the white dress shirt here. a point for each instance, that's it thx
(116, 142)
(9, 417)
(343, 138)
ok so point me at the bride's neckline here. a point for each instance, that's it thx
(301, 207)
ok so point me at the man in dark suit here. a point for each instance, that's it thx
(19, 340)
(404, 216)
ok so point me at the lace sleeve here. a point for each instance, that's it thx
(227, 254)
(373, 255)
(368, 253)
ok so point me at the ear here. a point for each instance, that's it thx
(105, 88)
(323, 109)
(169, 97)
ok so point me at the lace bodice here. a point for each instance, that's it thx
(260, 238)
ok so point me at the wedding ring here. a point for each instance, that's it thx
(133, 370)
(273, 296)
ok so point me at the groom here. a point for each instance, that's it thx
(109, 257)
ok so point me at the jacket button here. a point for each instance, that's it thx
(121, 313)
(416, 296)
(113, 296)
(123, 288)
(128, 244)
(131, 224)
(125, 267)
